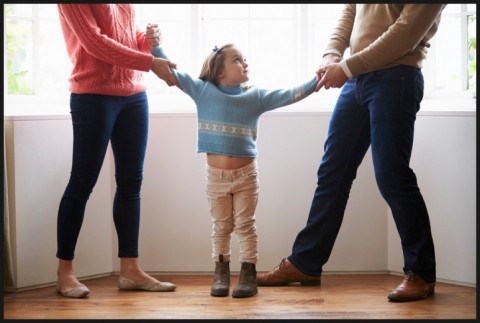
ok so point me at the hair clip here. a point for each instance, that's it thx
(217, 50)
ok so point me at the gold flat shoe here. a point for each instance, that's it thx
(76, 292)
(129, 284)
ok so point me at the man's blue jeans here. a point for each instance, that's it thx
(98, 120)
(376, 109)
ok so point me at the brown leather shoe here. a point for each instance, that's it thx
(412, 288)
(286, 273)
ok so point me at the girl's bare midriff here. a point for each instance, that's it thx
(228, 162)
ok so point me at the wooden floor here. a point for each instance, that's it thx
(358, 296)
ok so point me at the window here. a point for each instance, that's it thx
(35, 50)
(282, 43)
(452, 56)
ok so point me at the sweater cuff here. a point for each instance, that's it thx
(345, 68)
(332, 51)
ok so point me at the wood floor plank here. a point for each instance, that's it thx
(355, 296)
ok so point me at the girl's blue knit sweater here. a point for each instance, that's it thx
(228, 116)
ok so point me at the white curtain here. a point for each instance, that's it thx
(8, 277)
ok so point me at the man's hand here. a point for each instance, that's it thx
(332, 75)
(327, 60)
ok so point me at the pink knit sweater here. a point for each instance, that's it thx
(109, 54)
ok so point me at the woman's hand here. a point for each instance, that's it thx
(161, 67)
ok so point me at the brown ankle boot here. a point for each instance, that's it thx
(221, 278)
(247, 282)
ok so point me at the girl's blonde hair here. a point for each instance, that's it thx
(213, 64)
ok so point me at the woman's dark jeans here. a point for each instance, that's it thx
(376, 109)
(98, 120)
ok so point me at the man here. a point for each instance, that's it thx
(382, 90)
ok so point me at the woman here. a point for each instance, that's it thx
(108, 104)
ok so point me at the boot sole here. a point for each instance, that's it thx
(243, 295)
(400, 299)
(219, 294)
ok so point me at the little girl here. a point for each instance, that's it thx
(228, 113)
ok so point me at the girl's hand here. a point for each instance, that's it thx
(153, 34)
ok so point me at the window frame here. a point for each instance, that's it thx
(53, 103)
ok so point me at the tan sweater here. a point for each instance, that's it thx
(384, 35)
(109, 54)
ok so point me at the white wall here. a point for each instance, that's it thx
(444, 159)
(38, 173)
(290, 145)
(175, 223)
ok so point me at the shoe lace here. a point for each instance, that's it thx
(282, 263)
(409, 275)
